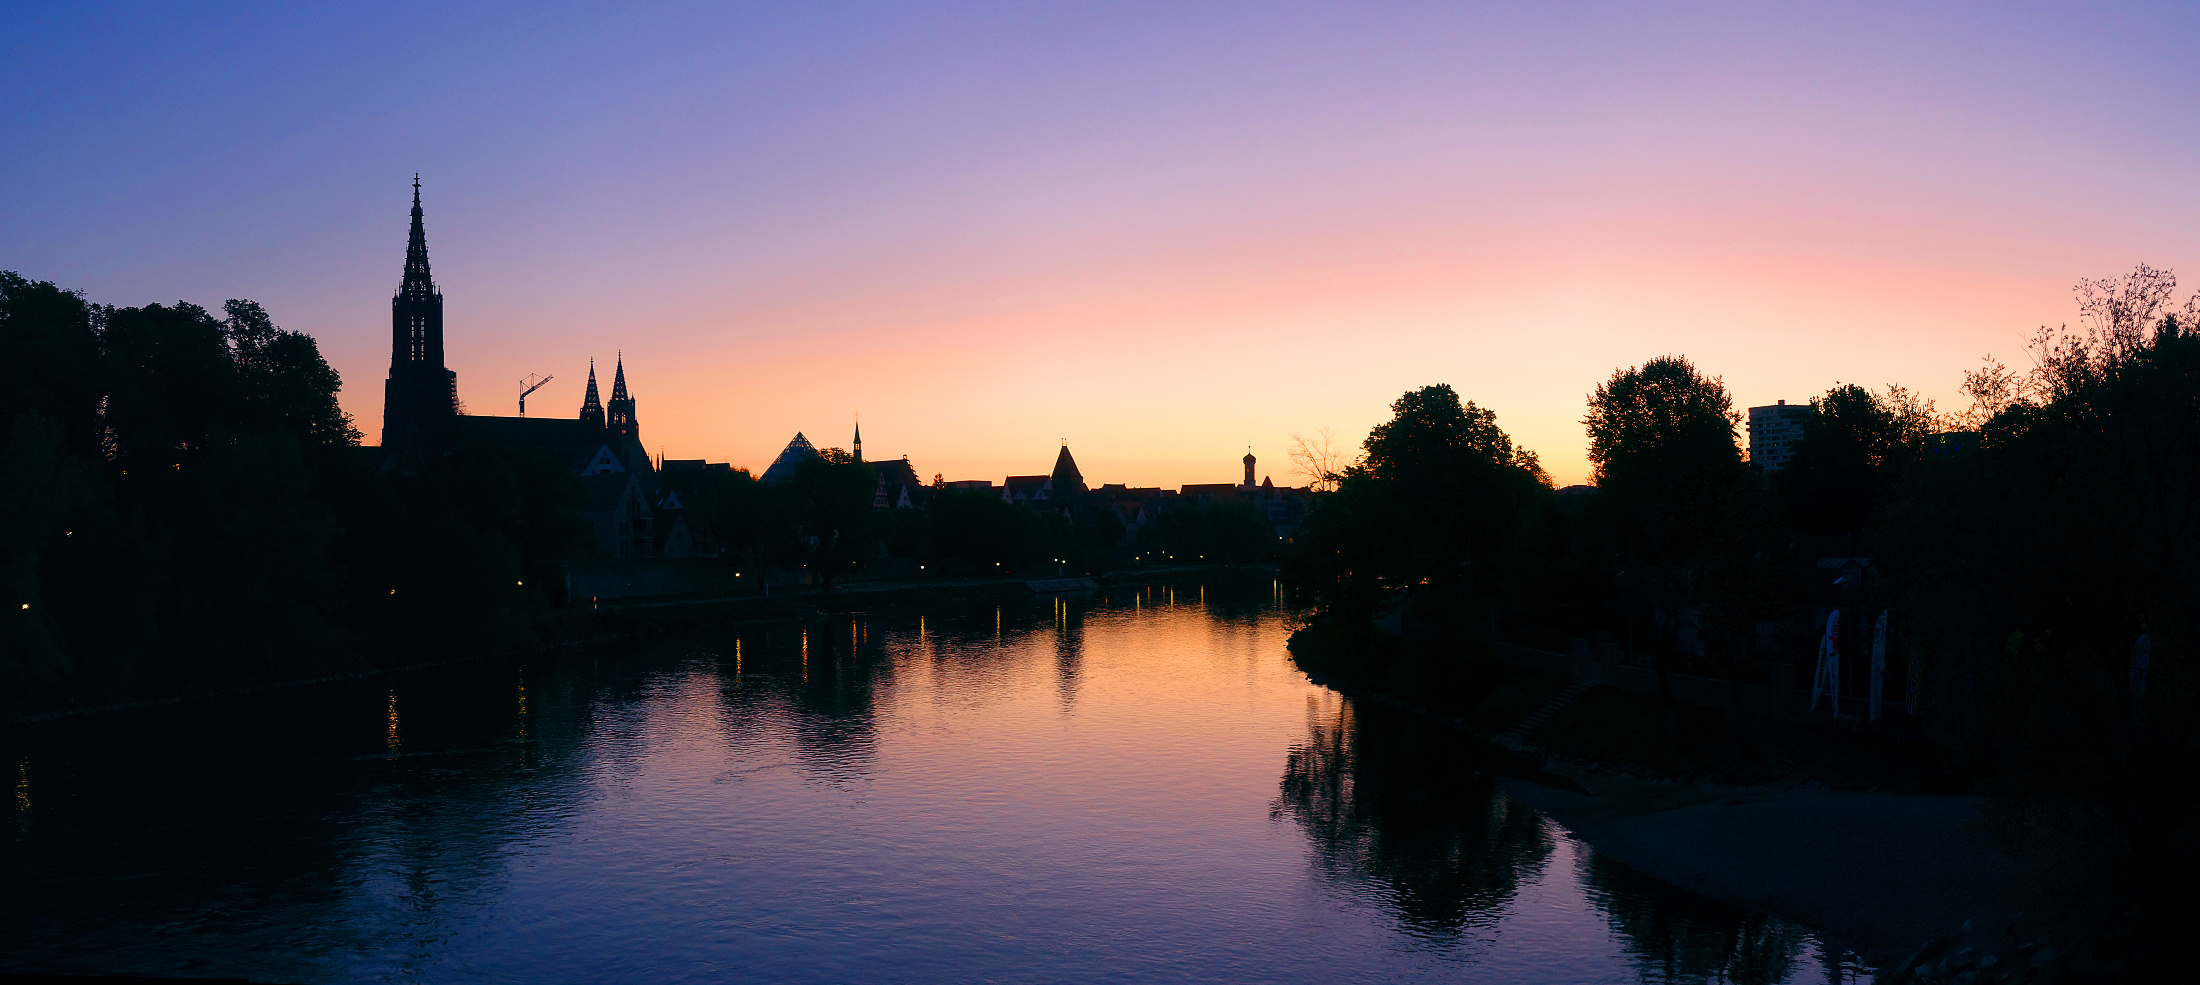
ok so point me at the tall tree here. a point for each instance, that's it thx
(1440, 495)
(1662, 443)
(833, 494)
(1853, 450)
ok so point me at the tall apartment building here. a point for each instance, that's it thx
(1772, 433)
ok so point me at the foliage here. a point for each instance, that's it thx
(1853, 450)
(2034, 567)
(1222, 530)
(831, 501)
(187, 505)
(974, 530)
(1440, 495)
(1662, 444)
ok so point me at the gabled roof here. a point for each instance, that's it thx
(797, 451)
(602, 460)
(1018, 487)
(896, 472)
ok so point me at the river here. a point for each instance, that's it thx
(1130, 786)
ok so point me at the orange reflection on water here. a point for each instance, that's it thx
(393, 724)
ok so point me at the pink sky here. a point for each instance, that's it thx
(1161, 233)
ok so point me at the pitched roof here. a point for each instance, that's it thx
(896, 471)
(564, 440)
(1021, 487)
(1065, 466)
(1212, 489)
(782, 468)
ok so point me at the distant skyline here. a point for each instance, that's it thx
(1160, 231)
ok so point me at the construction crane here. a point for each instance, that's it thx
(531, 384)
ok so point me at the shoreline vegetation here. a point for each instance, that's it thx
(1951, 650)
(1898, 872)
(1965, 632)
(190, 510)
(1995, 603)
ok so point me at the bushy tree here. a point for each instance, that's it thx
(1662, 444)
(1853, 449)
(2049, 578)
(1668, 471)
(1442, 508)
(1222, 530)
(831, 495)
(979, 531)
(187, 505)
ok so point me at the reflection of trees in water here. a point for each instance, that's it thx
(1679, 936)
(1241, 599)
(1069, 631)
(827, 673)
(1388, 801)
(212, 832)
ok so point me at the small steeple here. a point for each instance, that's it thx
(859, 438)
(592, 405)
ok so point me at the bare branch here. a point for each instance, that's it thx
(1318, 459)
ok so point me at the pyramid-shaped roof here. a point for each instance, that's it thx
(797, 451)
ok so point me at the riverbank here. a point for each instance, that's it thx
(1901, 879)
(1833, 831)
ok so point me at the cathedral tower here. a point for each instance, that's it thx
(592, 405)
(1249, 460)
(421, 397)
(619, 413)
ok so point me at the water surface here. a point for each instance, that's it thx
(1128, 786)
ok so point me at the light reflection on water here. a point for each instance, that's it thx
(1126, 787)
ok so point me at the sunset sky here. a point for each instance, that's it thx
(1158, 231)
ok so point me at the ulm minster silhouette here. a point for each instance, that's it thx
(644, 507)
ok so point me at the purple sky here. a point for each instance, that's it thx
(1159, 232)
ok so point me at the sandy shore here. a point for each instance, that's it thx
(1879, 873)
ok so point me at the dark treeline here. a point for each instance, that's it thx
(2035, 555)
(188, 506)
(823, 521)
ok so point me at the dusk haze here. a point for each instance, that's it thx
(1137, 492)
(1159, 231)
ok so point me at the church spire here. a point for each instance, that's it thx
(418, 284)
(859, 439)
(421, 395)
(592, 405)
(619, 412)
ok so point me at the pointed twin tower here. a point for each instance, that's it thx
(420, 400)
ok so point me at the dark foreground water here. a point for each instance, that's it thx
(1135, 786)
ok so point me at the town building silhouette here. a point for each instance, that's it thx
(644, 508)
